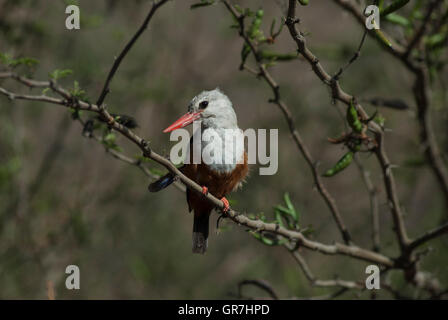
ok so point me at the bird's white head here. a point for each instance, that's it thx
(212, 107)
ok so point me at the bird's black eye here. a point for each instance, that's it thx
(203, 104)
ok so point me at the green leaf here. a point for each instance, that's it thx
(272, 26)
(279, 219)
(109, 141)
(8, 60)
(28, 62)
(379, 119)
(157, 171)
(5, 58)
(59, 74)
(245, 51)
(254, 29)
(436, 41)
(143, 159)
(286, 214)
(282, 209)
(414, 162)
(343, 163)
(238, 8)
(398, 20)
(290, 206)
(268, 241)
(261, 238)
(77, 92)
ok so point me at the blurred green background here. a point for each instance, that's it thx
(66, 201)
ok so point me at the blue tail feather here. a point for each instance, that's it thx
(162, 183)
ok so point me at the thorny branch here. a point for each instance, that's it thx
(420, 88)
(374, 206)
(126, 49)
(340, 95)
(264, 73)
(318, 282)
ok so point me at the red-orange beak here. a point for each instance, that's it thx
(183, 121)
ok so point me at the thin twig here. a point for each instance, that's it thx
(262, 284)
(353, 58)
(429, 235)
(374, 206)
(329, 296)
(318, 282)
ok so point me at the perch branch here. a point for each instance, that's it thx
(315, 282)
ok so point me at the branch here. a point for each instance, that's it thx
(429, 235)
(126, 49)
(263, 72)
(263, 285)
(374, 207)
(134, 162)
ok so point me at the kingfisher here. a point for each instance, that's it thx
(223, 163)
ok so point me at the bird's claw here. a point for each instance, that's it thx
(204, 190)
(226, 205)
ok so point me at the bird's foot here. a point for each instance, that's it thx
(204, 190)
(226, 205)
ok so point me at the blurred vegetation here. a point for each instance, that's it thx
(66, 201)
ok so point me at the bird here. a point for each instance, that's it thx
(215, 112)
